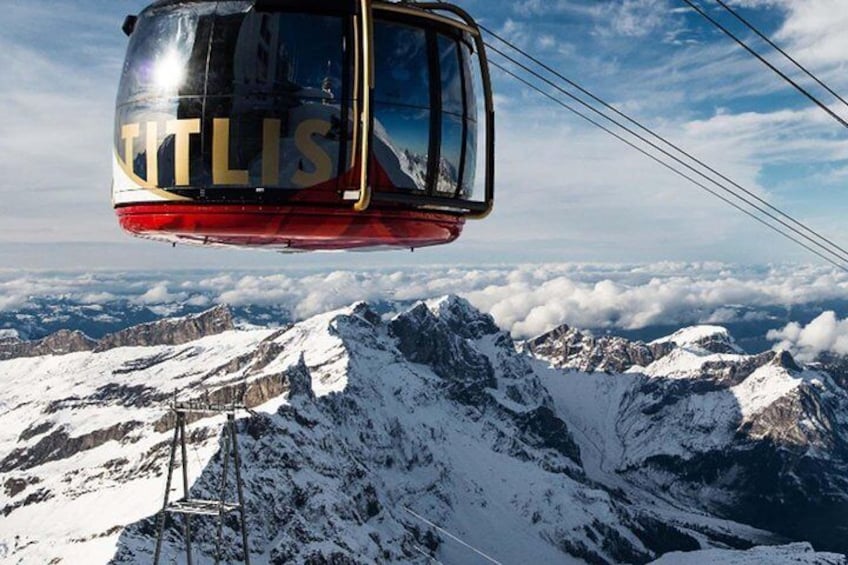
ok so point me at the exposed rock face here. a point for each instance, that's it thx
(60, 343)
(59, 445)
(710, 339)
(424, 338)
(756, 439)
(567, 347)
(171, 332)
(360, 424)
(164, 332)
(835, 365)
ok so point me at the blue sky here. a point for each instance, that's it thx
(567, 192)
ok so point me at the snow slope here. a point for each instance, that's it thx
(365, 431)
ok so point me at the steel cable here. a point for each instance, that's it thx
(668, 166)
(824, 241)
(777, 48)
(764, 61)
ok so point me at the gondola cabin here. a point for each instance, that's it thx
(303, 124)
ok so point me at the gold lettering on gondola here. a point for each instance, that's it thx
(307, 145)
(182, 131)
(314, 165)
(129, 133)
(271, 152)
(153, 153)
(221, 172)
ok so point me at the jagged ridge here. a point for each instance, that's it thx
(359, 418)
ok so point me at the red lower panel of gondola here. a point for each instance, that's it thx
(307, 228)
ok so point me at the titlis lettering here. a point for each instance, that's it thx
(222, 174)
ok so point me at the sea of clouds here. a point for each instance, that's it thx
(527, 300)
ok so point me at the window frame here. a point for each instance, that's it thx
(352, 95)
(433, 29)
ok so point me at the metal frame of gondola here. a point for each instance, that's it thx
(364, 82)
(367, 195)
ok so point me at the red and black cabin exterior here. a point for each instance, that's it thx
(247, 123)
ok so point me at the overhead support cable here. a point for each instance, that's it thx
(678, 172)
(777, 48)
(842, 252)
(841, 256)
(765, 61)
(453, 537)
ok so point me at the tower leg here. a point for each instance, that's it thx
(163, 515)
(187, 517)
(223, 496)
(231, 424)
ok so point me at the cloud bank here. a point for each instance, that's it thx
(525, 300)
(826, 333)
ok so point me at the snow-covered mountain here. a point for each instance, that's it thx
(369, 431)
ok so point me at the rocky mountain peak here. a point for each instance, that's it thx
(172, 331)
(424, 337)
(59, 343)
(462, 318)
(175, 331)
(567, 347)
(784, 360)
(712, 339)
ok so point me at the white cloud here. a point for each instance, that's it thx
(826, 333)
(633, 18)
(160, 294)
(565, 191)
(526, 300)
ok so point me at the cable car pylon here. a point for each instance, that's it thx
(187, 506)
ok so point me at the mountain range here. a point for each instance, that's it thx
(425, 435)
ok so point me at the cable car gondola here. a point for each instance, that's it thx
(302, 124)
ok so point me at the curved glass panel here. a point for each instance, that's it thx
(452, 85)
(469, 176)
(273, 111)
(447, 180)
(401, 146)
(401, 70)
(278, 53)
(166, 55)
(470, 72)
(148, 133)
(401, 143)
(279, 78)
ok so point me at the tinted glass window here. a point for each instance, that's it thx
(401, 110)
(275, 110)
(166, 55)
(401, 146)
(301, 55)
(449, 166)
(469, 177)
(470, 72)
(281, 75)
(449, 64)
(402, 72)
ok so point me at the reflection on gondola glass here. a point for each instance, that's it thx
(278, 78)
(451, 160)
(470, 76)
(401, 144)
(274, 87)
(402, 102)
(167, 54)
(453, 105)
(449, 64)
